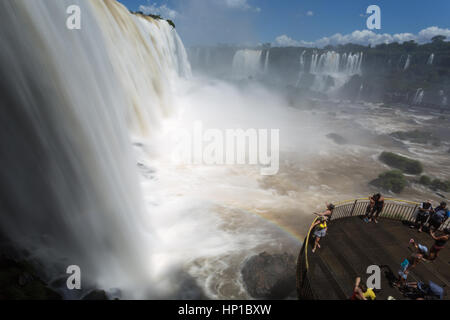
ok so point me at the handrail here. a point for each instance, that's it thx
(306, 242)
(386, 199)
(397, 209)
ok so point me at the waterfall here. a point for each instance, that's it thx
(430, 59)
(443, 97)
(313, 66)
(71, 192)
(302, 68)
(247, 64)
(418, 97)
(302, 61)
(407, 63)
(266, 62)
(333, 65)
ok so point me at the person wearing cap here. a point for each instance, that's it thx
(424, 212)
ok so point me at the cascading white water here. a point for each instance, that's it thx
(418, 97)
(430, 59)
(158, 57)
(338, 67)
(266, 62)
(302, 61)
(302, 68)
(247, 64)
(68, 104)
(407, 63)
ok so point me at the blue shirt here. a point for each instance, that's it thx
(442, 213)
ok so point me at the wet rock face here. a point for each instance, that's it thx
(270, 276)
(19, 281)
(337, 138)
(96, 295)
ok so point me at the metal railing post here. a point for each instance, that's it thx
(353, 208)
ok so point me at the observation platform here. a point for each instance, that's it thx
(351, 245)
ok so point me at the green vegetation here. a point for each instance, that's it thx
(417, 136)
(425, 180)
(393, 180)
(402, 163)
(171, 23)
(437, 184)
(154, 16)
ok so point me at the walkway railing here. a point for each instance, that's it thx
(395, 209)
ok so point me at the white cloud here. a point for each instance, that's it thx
(364, 37)
(241, 4)
(285, 41)
(310, 13)
(163, 10)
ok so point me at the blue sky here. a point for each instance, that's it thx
(288, 22)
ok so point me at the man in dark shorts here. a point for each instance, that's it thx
(374, 208)
(439, 243)
(424, 212)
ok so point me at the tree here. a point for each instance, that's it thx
(438, 38)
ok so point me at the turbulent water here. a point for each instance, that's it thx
(86, 178)
(70, 192)
(87, 175)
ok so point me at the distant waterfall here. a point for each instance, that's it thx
(407, 63)
(69, 183)
(247, 64)
(418, 97)
(332, 62)
(301, 69)
(266, 62)
(333, 65)
(302, 61)
(430, 59)
(443, 98)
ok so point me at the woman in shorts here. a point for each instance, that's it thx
(320, 231)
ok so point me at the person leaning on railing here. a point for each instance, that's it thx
(328, 212)
(320, 231)
(374, 208)
(320, 225)
(424, 211)
(440, 215)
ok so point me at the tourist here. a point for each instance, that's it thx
(374, 208)
(424, 212)
(406, 266)
(440, 215)
(439, 243)
(419, 248)
(358, 293)
(421, 291)
(320, 231)
(328, 212)
(361, 292)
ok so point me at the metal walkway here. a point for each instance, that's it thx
(351, 245)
